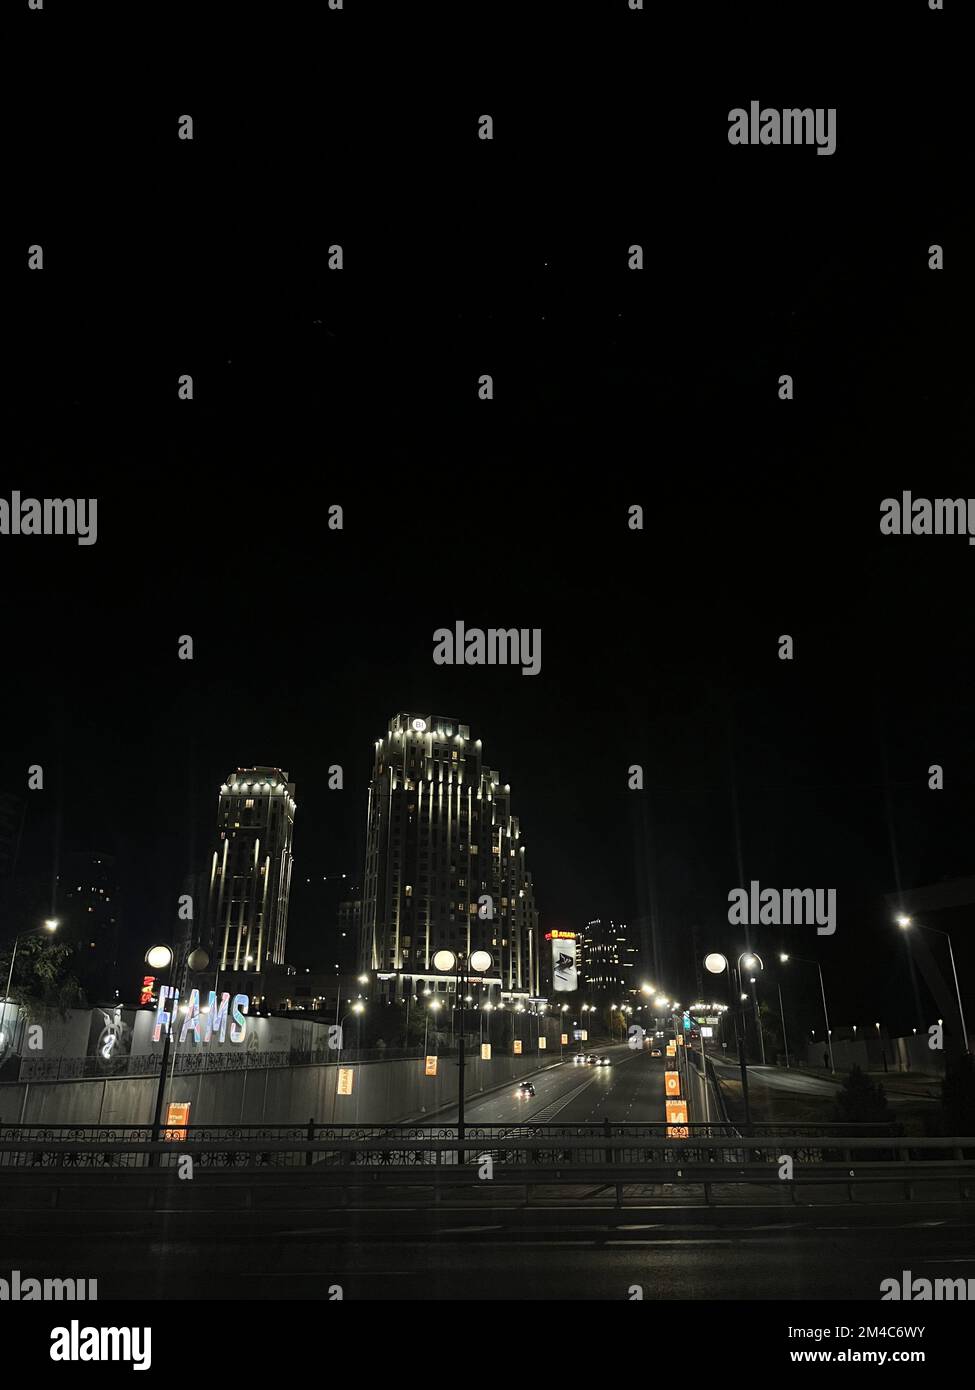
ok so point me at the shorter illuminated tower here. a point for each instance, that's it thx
(250, 874)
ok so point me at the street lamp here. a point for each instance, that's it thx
(161, 958)
(822, 989)
(717, 964)
(50, 925)
(904, 923)
(461, 965)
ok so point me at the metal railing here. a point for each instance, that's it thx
(638, 1150)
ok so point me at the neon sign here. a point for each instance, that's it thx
(212, 1018)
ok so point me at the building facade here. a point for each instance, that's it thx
(445, 865)
(609, 961)
(250, 873)
(89, 906)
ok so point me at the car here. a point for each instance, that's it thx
(655, 1052)
(526, 1089)
(591, 1060)
(603, 1062)
(579, 1060)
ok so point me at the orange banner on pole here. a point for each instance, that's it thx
(345, 1080)
(672, 1083)
(676, 1112)
(177, 1113)
(517, 1047)
(431, 1067)
(565, 1039)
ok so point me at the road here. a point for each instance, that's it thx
(631, 1088)
(567, 1252)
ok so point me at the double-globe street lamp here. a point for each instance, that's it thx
(162, 958)
(717, 964)
(462, 966)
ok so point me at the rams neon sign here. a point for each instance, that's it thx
(203, 1024)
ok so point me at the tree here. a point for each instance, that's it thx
(862, 1101)
(43, 977)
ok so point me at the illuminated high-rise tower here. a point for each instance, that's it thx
(250, 875)
(445, 863)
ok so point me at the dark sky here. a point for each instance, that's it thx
(612, 387)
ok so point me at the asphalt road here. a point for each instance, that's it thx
(574, 1252)
(631, 1088)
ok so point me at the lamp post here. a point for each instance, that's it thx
(904, 923)
(716, 963)
(822, 988)
(461, 966)
(161, 958)
(750, 957)
(50, 925)
(785, 1039)
(357, 1008)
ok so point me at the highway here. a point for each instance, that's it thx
(631, 1088)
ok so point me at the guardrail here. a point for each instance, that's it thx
(292, 1168)
(620, 1145)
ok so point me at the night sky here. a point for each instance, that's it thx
(612, 387)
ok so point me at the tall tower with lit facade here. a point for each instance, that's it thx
(445, 864)
(250, 874)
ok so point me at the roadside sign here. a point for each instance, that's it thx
(676, 1112)
(345, 1080)
(517, 1046)
(485, 1052)
(542, 1044)
(177, 1113)
(671, 1049)
(707, 1032)
(565, 1039)
(431, 1067)
(672, 1083)
(680, 1039)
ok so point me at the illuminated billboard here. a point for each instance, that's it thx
(565, 977)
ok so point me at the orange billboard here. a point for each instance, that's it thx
(672, 1083)
(676, 1112)
(178, 1114)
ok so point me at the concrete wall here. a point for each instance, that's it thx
(903, 1055)
(382, 1093)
